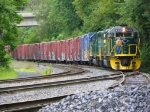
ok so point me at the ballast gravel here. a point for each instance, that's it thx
(54, 92)
(120, 99)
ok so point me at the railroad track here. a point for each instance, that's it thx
(26, 105)
(58, 83)
(29, 106)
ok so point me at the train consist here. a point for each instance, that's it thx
(96, 48)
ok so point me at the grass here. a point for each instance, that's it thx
(7, 73)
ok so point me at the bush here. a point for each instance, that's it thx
(145, 55)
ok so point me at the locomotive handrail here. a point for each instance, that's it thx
(113, 51)
(132, 45)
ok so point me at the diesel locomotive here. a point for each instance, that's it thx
(103, 48)
(96, 48)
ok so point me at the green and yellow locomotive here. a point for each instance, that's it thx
(103, 48)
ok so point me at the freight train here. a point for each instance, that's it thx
(96, 48)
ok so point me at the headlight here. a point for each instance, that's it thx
(123, 29)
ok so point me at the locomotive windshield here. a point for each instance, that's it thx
(123, 34)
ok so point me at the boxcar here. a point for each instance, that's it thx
(67, 51)
(36, 51)
(49, 57)
(58, 51)
(19, 52)
(28, 52)
(62, 50)
(71, 49)
(32, 51)
(45, 51)
(25, 51)
(53, 50)
(42, 51)
(76, 49)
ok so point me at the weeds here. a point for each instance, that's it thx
(48, 70)
(7, 73)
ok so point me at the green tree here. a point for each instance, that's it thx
(28, 35)
(96, 14)
(58, 17)
(8, 31)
